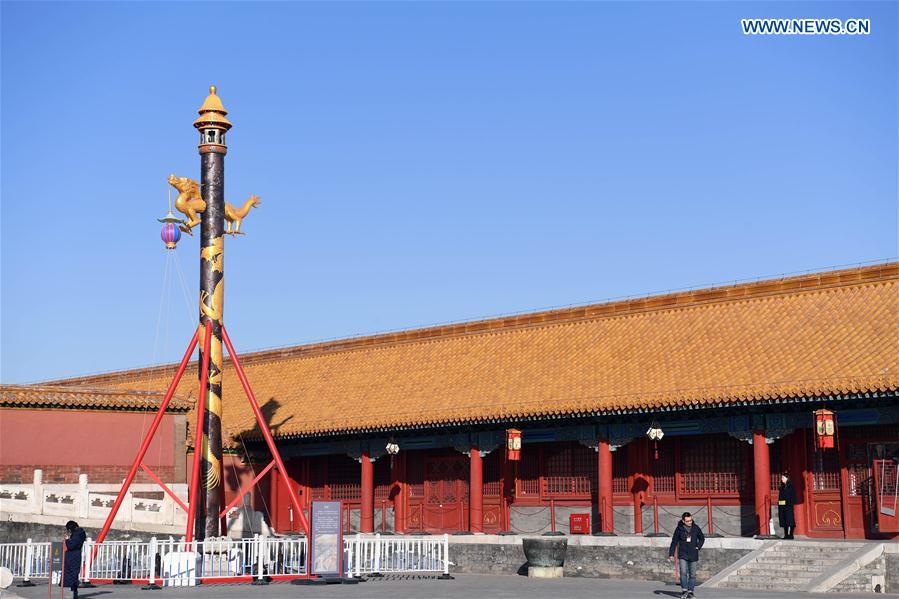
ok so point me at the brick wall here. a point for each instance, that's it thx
(100, 474)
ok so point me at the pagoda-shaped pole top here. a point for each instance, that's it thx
(212, 112)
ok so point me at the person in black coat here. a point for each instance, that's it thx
(687, 540)
(786, 499)
(75, 537)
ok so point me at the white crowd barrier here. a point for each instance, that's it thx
(175, 562)
(374, 554)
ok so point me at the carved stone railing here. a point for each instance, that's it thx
(144, 504)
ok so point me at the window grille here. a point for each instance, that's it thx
(712, 466)
(570, 470)
(343, 478)
(383, 482)
(663, 478)
(529, 472)
(493, 473)
(620, 471)
(826, 472)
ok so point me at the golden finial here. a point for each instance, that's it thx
(212, 89)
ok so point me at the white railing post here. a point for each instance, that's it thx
(152, 557)
(37, 492)
(29, 557)
(260, 557)
(87, 553)
(376, 566)
(358, 553)
(446, 563)
(83, 501)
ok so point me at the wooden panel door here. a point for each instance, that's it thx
(446, 495)
(886, 493)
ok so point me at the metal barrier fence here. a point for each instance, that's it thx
(174, 562)
(388, 555)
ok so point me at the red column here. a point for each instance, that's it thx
(476, 492)
(604, 497)
(367, 517)
(762, 478)
(398, 476)
(797, 453)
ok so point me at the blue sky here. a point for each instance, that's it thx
(425, 162)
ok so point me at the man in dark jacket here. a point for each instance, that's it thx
(687, 541)
(75, 538)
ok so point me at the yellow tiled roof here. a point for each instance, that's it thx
(814, 335)
(53, 396)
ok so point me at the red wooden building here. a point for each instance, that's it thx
(731, 375)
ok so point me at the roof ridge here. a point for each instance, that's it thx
(783, 286)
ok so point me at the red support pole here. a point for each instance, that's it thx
(638, 513)
(711, 515)
(198, 438)
(246, 489)
(263, 426)
(165, 487)
(147, 440)
(399, 499)
(655, 515)
(762, 479)
(552, 514)
(367, 509)
(476, 491)
(605, 486)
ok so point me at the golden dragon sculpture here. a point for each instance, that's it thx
(235, 216)
(189, 202)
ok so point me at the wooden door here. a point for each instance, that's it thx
(886, 488)
(446, 495)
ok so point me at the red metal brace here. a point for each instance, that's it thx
(198, 437)
(147, 440)
(266, 433)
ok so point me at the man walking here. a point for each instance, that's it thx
(686, 541)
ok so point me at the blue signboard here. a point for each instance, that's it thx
(327, 538)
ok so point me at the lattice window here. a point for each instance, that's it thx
(415, 472)
(775, 459)
(826, 470)
(493, 473)
(860, 480)
(319, 477)
(383, 482)
(529, 472)
(343, 478)
(712, 465)
(620, 471)
(663, 471)
(570, 470)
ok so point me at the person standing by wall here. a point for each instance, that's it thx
(786, 499)
(687, 540)
(75, 537)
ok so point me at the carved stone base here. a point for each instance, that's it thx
(545, 571)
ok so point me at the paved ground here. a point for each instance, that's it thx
(465, 586)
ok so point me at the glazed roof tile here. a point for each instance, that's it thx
(817, 335)
(55, 396)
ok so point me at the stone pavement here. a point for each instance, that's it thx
(465, 586)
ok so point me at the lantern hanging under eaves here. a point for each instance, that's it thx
(513, 444)
(655, 434)
(825, 429)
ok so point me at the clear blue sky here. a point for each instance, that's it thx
(425, 162)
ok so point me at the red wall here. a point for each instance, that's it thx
(65, 443)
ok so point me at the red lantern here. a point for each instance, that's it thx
(513, 444)
(825, 429)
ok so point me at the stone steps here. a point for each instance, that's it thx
(789, 566)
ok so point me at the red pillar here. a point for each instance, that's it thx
(476, 492)
(367, 517)
(604, 497)
(398, 476)
(797, 453)
(762, 478)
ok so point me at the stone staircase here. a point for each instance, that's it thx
(787, 565)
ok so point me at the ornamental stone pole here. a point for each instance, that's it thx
(212, 125)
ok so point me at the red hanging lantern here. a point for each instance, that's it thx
(513, 444)
(825, 429)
